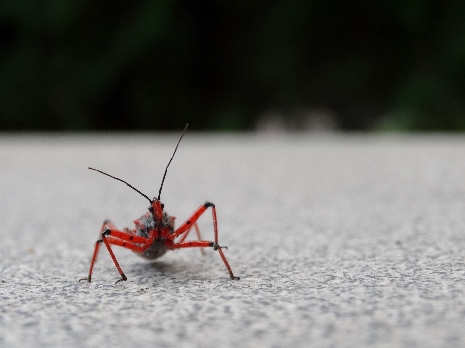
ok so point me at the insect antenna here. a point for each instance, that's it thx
(113, 177)
(166, 170)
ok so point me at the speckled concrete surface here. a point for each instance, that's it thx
(340, 241)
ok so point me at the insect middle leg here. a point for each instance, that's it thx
(202, 244)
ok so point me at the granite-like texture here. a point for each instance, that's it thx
(340, 241)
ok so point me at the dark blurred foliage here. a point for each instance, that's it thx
(126, 65)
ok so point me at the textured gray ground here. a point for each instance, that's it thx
(340, 241)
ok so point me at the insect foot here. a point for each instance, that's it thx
(123, 278)
(233, 277)
(216, 247)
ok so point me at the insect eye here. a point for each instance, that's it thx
(162, 205)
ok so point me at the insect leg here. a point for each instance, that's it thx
(107, 244)
(110, 235)
(192, 220)
(204, 244)
(197, 232)
(126, 240)
(106, 224)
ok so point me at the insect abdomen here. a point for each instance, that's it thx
(155, 250)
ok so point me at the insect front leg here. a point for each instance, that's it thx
(109, 234)
(106, 224)
(202, 244)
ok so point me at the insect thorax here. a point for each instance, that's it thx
(146, 223)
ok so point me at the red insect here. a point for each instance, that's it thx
(154, 232)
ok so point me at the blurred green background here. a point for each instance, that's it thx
(75, 65)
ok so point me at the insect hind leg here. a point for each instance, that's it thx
(197, 232)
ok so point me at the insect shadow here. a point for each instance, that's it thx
(172, 269)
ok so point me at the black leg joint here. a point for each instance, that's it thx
(208, 204)
(106, 232)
